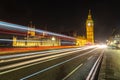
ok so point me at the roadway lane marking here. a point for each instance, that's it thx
(41, 71)
(72, 72)
(89, 57)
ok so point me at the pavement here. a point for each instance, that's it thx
(110, 68)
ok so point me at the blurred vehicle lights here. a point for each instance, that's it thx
(102, 46)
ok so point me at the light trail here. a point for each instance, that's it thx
(6, 40)
(58, 64)
(32, 53)
(21, 34)
(36, 61)
(91, 56)
(9, 26)
(35, 54)
(11, 40)
(21, 40)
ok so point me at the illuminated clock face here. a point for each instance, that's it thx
(89, 24)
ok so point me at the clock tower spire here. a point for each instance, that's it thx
(89, 15)
(90, 28)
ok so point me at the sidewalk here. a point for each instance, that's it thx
(6, 51)
(110, 68)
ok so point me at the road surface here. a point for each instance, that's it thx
(61, 64)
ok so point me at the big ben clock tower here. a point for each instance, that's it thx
(90, 29)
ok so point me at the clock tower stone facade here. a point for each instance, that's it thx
(90, 29)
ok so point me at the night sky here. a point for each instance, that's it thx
(63, 15)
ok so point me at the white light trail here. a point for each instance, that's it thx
(36, 73)
(33, 54)
(5, 25)
(22, 40)
(38, 61)
(42, 52)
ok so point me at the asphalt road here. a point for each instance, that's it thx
(61, 64)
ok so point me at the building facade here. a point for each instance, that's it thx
(89, 39)
(33, 40)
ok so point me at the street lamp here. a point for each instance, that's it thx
(53, 39)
